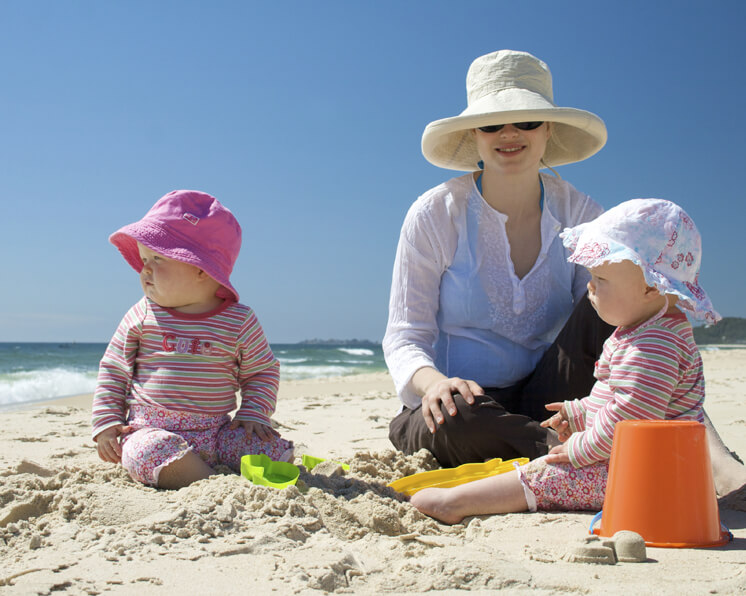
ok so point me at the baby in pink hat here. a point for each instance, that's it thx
(643, 257)
(169, 377)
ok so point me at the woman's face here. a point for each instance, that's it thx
(511, 150)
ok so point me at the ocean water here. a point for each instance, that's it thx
(32, 372)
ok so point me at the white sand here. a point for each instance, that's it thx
(70, 522)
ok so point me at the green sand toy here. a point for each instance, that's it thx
(310, 462)
(259, 469)
(448, 477)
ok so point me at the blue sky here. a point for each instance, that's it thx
(305, 119)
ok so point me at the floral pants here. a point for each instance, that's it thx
(160, 437)
(563, 487)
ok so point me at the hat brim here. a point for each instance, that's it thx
(590, 248)
(576, 135)
(149, 235)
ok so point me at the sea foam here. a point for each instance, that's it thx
(314, 372)
(28, 386)
(357, 351)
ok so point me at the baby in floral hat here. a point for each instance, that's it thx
(659, 238)
(643, 257)
(169, 377)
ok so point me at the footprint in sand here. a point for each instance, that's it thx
(52, 412)
(68, 453)
(29, 467)
(35, 507)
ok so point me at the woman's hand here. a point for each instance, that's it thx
(264, 432)
(439, 389)
(559, 421)
(107, 443)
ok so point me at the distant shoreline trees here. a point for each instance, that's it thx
(730, 330)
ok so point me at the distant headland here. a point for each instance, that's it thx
(340, 342)
(730, 330)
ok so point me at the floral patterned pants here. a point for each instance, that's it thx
(563, 487)
(160, 437)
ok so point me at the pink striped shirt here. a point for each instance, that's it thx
(650, 372)
(191, 363)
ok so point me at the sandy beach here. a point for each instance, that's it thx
(69, 522)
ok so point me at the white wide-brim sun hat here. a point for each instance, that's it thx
(506, 87)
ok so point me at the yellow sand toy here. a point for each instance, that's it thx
(448, 477)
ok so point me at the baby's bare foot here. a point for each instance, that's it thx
(436, 502)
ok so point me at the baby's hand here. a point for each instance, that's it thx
(559, 421)
(558, 455)
(264, 432)
(107, 443)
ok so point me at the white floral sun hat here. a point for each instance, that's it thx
(504, 87)
(654, 234)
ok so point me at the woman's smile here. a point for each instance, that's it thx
(510, 149)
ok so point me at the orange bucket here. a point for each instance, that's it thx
(660, 485)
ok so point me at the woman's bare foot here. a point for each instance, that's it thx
(728, 473)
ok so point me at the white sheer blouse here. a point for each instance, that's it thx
(456, 303)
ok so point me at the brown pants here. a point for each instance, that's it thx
(505, 421)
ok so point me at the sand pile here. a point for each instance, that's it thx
(97, 511)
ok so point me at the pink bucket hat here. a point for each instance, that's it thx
(188, 226)
(656, 235)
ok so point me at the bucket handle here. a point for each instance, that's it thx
(725, 529)
(594, 520)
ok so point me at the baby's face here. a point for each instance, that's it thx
(169, 283)
(617, 291)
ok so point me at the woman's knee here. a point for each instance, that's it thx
(471, 418)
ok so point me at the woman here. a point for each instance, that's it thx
(481, 285)
(488, 322)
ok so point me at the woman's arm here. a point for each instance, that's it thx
(426, 247)
(422, 256)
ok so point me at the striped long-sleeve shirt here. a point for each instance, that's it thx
(650, 372)
(192, 363)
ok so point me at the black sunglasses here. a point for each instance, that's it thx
(518, 125)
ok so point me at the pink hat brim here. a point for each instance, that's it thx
(160, 241)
